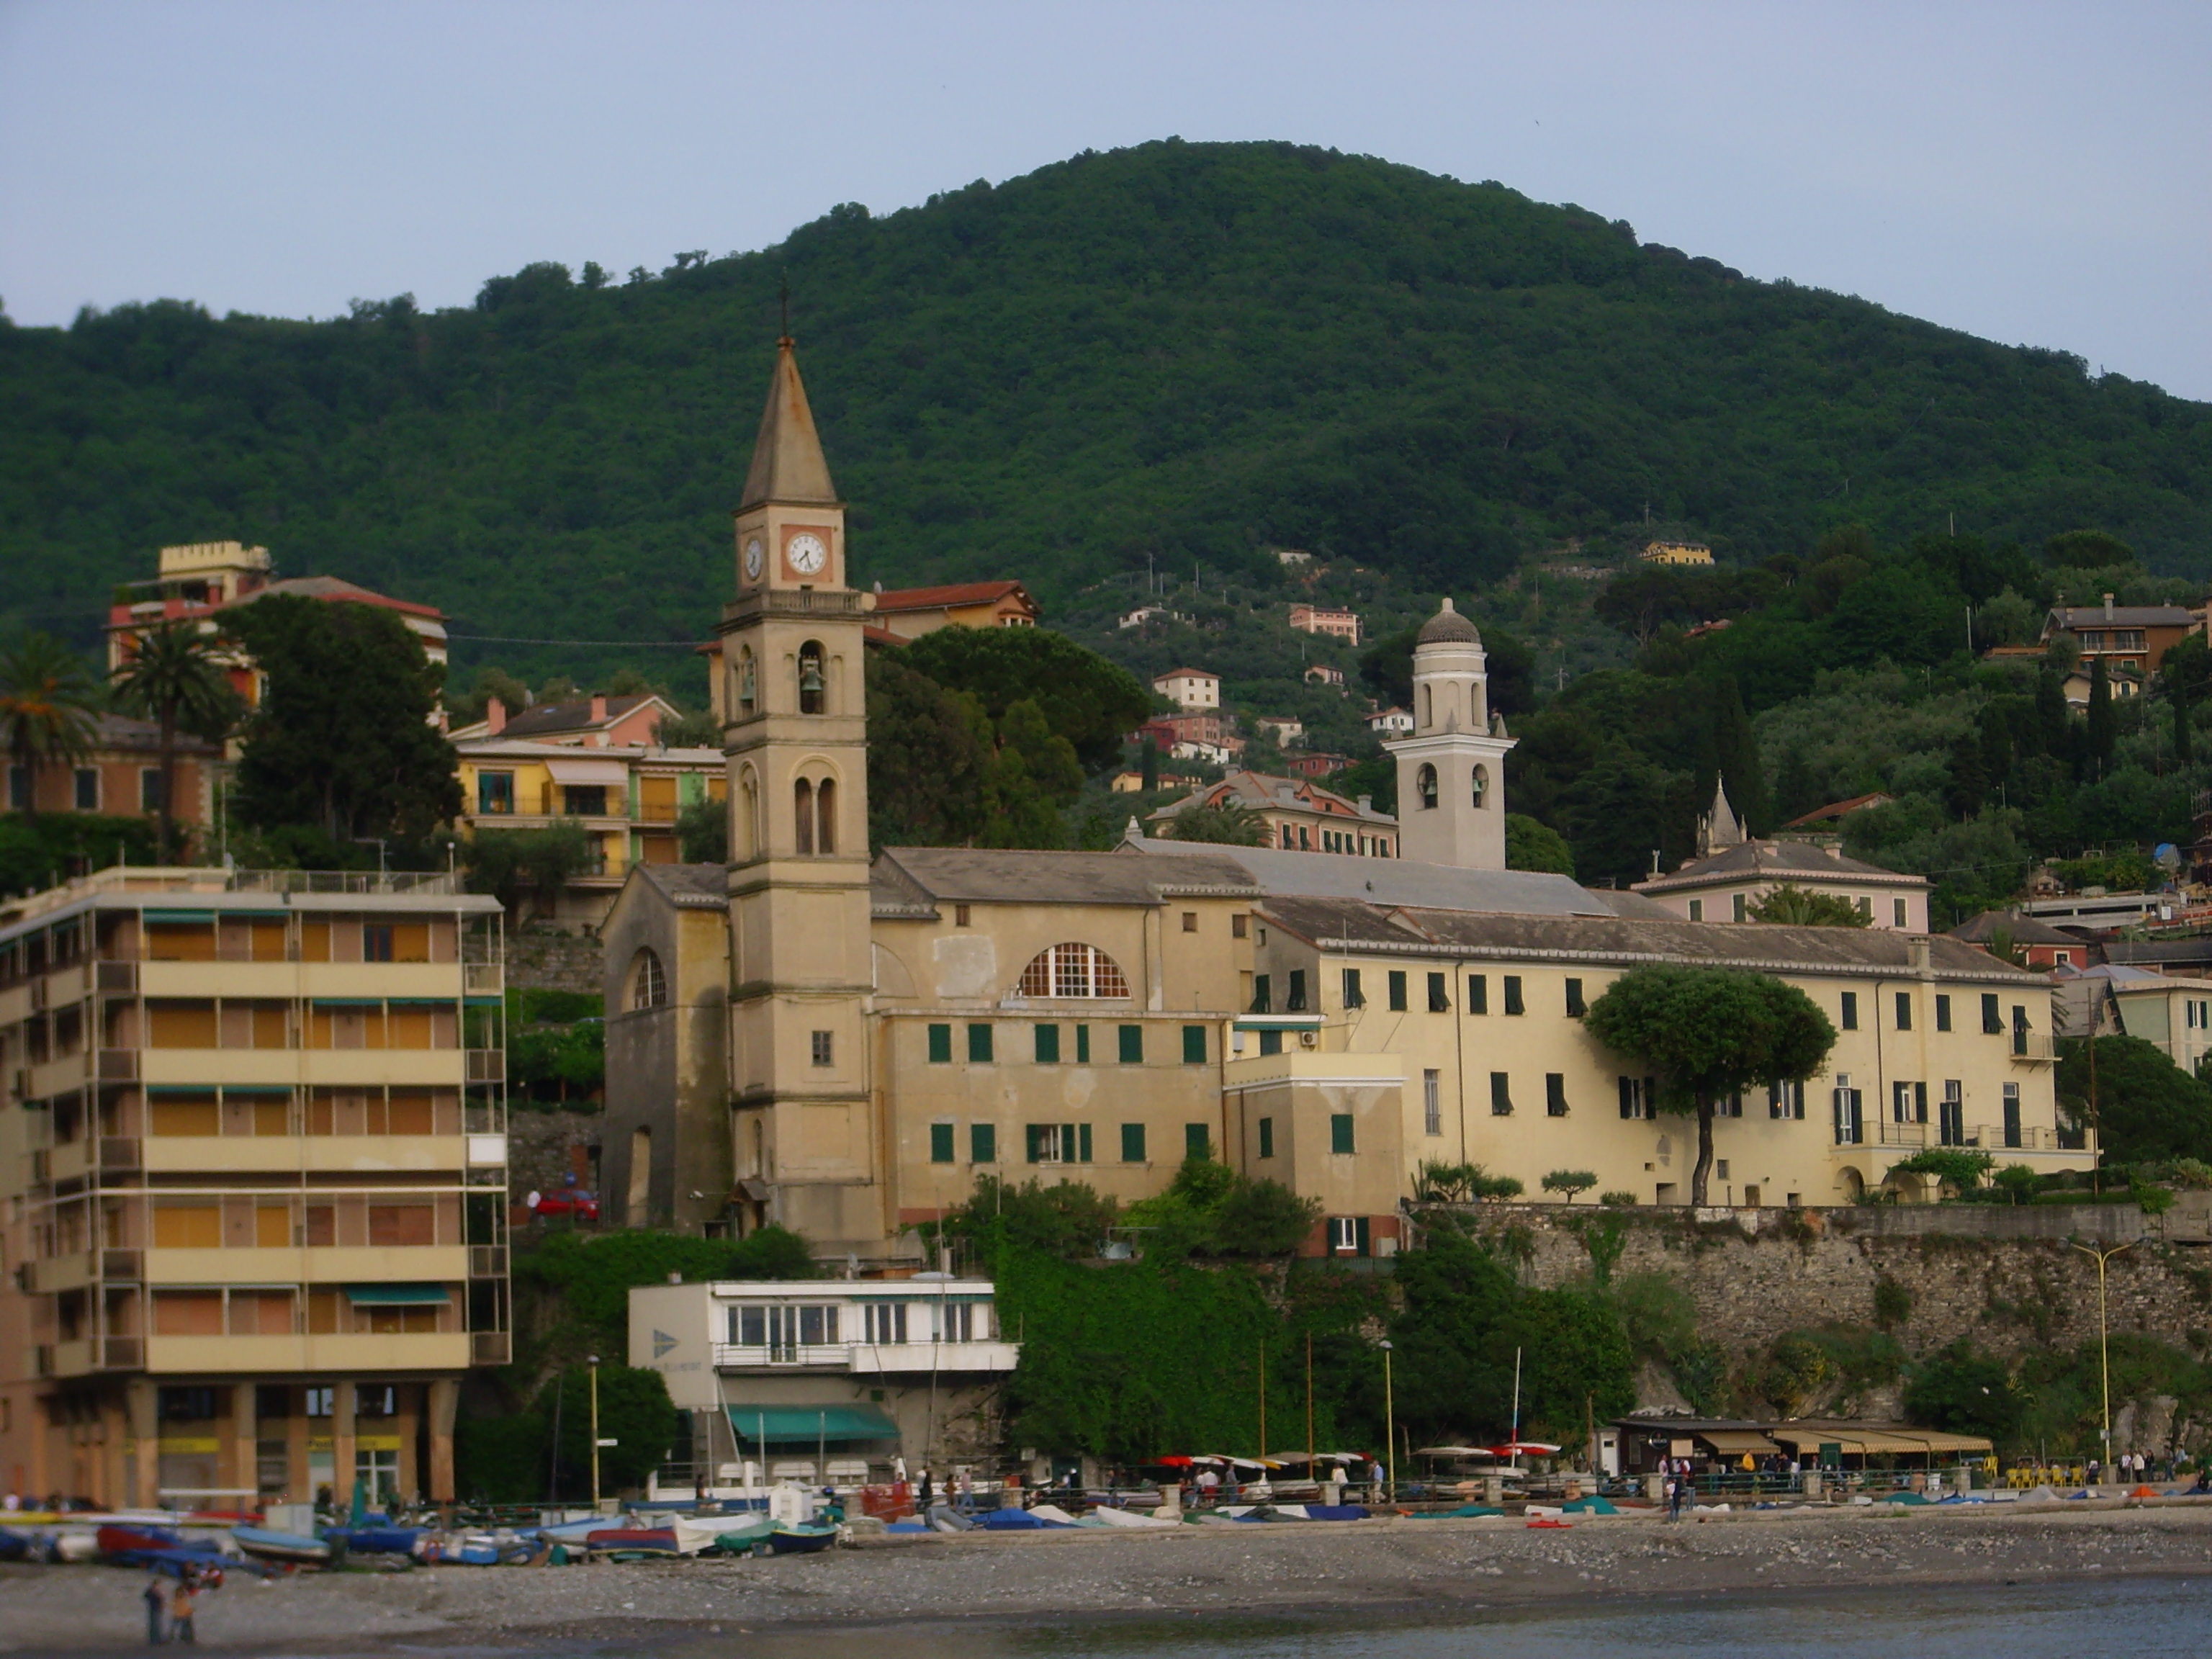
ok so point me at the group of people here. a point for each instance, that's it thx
(169, 1612)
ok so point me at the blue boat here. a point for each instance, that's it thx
(791, 1538)
(294, 1548)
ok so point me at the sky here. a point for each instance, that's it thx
(2033, 173)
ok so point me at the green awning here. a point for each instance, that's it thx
(179, 915)
(802, 1425)
(396, 1296)
(346, 1002)
(232, 1089)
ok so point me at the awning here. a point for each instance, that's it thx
(397, 1296)
(1881, 1442)
(611, 773)
(802, 1425)
(179, 915)
(232, 1090)
(1734, 1442)
(346, 1002)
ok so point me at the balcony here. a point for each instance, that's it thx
(86, 1355)
(484, 978)
(487, 1261)
(490, 1347)
(320, 1264)
(2033, 1048)
(316, 1154)
(207, 1068)
(869, 1358)
(359, 1353)
(1903, 1134)
(408, 981)
(118, 1065)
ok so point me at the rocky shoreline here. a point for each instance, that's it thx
(1318, 1571)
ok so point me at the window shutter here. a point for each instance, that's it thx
(1082, 1142)
(1627, 1098)
(1035, 1134)
(941, 1045)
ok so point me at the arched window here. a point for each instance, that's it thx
(1428, 705)
(813, 687)
(649, 986)
(748, 681)
(802, 814)
(1424, 784)
(744, 823)
(826, 816)
(1073, 970)
(1481, 784)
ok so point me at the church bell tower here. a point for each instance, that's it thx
(1451, 772)
(795, 736)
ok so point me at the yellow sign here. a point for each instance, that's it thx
(376, 1443)
(189, 1443)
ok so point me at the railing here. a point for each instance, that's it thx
(121, 1353)
(487, 1065)
(121, 976)
(490, 1347)
(487, 1261)
(1903, 1134)
(2033, 1047)
(483, 976)
(344, 881)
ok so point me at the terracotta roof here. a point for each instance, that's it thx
(1173, 673)
(1776, 861)
(336, 588)
(1837, 809)
(572, 716)
(2021, 930)
(932, 598)
(2076, 616)
(1262, 791)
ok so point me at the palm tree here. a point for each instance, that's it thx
(47, 700)
(174, 680)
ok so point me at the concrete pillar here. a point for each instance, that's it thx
(141, 1403)
(444, 1404)
(244, 1444)
(342, 1405)
(1816, 1480)
(1655, 1488)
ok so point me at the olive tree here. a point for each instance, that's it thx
(1708, 1033)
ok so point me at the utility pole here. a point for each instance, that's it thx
(1389, 1429)
(2104, 1336)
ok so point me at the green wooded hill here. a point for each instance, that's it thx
(1185, 351)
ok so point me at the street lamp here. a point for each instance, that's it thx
(2103, 1335)
(592, 1361)
(1389, 1429)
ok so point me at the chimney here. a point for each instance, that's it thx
(2108, 607)
(1367, 803)
(599, 707)
(494, 716)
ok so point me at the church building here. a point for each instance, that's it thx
(843, 1044)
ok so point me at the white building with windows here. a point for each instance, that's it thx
(823, 1381)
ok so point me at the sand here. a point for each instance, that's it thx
(1383, 1567)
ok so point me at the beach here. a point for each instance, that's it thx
(1391, 1567)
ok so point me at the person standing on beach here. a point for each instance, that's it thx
(181, 1613)
(157, 1607)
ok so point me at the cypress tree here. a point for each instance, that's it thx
(2104, 732)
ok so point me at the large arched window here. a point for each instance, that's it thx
(1424, 785)
(826, 815)
(802, 815)
(1481, 784)
(649, 986)
(1073, 970)
(813, 684)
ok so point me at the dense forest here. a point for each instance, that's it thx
(1177, 355)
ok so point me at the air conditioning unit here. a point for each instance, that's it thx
(1309, 1039)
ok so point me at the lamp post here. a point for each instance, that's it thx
(2103, 1335)
(592, 1361)
(1389, 1430)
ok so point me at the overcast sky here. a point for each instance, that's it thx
(2031, 173)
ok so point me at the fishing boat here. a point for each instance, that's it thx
(118, 1541)
(377, 1540)
(292, 1548)
(746, 1533)
(801, 1537)
(13, 1546)
(634, 1541)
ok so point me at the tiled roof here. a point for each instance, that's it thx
(1393, 881)
(907, 876)
(1837, 808)
(2020, 930)
(1776, 861)
(690, 886)
(2074, 616)
(573, 716)
(932, 598)
(1263, 791)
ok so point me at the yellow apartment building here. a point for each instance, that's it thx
(253, 1142)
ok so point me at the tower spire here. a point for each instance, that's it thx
(788, 464)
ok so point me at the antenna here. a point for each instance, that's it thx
(783, 300)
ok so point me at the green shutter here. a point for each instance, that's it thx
(979, 1044)
(1132, 1045)
(1197, 1142)
(1267, 1136)
(1194, 1045)
(941, 1045)
(1034, 1134)
(1083, 1045)
(1340, 1131)
(1083, 1143)
(940, 1143)
(1398, 990)
(982, 1143)
(1048, 1045)
(1478, 994)
(1132, 1143)
(1513, 1003)
(1501, 1095)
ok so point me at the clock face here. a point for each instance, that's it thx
(754, 554)
(806, 554)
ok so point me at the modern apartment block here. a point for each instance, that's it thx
(253, 1159)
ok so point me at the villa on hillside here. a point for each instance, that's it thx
(1300, 816)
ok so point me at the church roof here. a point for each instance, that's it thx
(1391, 881)
(912, 880)
(690, 886)
(1776, 861)
(788, 464)
(1448, 626)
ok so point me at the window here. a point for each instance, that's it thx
(1636, 1096)
(1850, 1011)
(1197, 1142)
(584, 800)
(87, 793)
(1073, 970)
(1951, 1117)
(1130, 1044)
(1048, 1045)
(1424, 784)
(399, 1224)
(1263, 993)
(940, 1143)
(1132, 1143)
(151, 789)
(1730, 1105)
(882, 1322)
(982, 1143)
(2019, 1029)
(1555, 1094)
(941, 1045)
(1238, 928)
(1992, 1020)
(1897, 912)
(1190, 921)
(1294, 1003)
(1439, 999)
(1575, 1008)
(1339, 1132)
(649, 986)
(1866, 907)
(1271, 1041)
(1513, 1003)
(1942, 1012)
(1353, 996)
(495, 792)
(1432, 1106)
(979, 1045)
(1059, 1143)
(375, 942)
(1905, 1011)
(1083, 1045)
(2012, 1137)
(1739, 907)
(1908, 1102)
(1348, 1235)
(1397, 990)
(748, 681)
(1697, 909)
(961, 916)
(19, 789)
(1481, 784)
(1849, 1108)
(813, 687)
(1478, 994)
(1267, 1136)
(818, 1043)
(826, 816)
(1785, 1100)
(1194, 1045)
(802, 815)
(1501, 1095)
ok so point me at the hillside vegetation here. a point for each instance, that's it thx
(1181, 352)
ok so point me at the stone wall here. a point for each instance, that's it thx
(543, 1148)
(541, 958)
